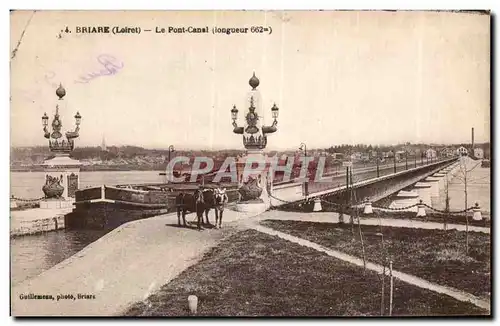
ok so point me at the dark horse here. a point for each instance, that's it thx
(200, 202)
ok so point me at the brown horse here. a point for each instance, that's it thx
(200, 202)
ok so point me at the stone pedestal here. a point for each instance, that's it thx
(67, 171)
(56, 203)
(421, 210)
(256, 207)
(423, 189)
(441, 182)
(317, 205)
(405, 199)
(434, 182)
(454, 169)
(263, 202)
(368, 209)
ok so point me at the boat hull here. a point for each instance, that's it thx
(109, 215)
(107, 207)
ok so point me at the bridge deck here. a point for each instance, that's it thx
(361, 177)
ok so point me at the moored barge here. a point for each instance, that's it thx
(107, 207)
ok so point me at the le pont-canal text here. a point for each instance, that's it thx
(170, 30)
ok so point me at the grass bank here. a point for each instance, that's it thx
(254, 274)
(434, 255)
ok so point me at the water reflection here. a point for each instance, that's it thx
(31, 255)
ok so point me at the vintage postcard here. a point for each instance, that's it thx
(250, 163)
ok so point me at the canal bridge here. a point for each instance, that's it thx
(366, 184)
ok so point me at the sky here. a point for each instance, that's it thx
(337, 77)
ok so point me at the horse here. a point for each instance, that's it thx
(201, 201)
(220, 201)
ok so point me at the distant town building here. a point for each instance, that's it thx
(400, 155)
(356, 156)
(103, 144)
(462, 151)
(430, 153)
(478, 153)
(447, 152)
(338, 156)
(387, 154)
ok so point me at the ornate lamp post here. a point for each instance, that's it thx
(394, 159)
(255, 140)
(55, 144)
(62, 172)
(170, 151)
(378, 164)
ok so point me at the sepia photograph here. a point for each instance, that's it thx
(250, 163)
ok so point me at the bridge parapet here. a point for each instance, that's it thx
(372, 187)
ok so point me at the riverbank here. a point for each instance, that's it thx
(37, 220)
(123, 267)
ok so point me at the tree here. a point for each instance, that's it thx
(446, 202)
(464, 177)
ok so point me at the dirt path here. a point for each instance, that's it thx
(407, 278)
(123, 267)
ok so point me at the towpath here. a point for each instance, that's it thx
(119, 269)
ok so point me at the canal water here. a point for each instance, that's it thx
(33, 254)
(29, 184)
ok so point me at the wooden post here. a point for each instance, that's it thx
(466, 214)
(382, 308)
(347, 184)
(447, 204)
(378, 169)
(391, 288)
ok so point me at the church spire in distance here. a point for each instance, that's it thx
(103, 144)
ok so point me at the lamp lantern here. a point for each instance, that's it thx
(234, 113)
(275, 111)
(56, 144)
(254, 132)
(78, 118)
(45, 119)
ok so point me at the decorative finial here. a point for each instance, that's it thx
(60, 91)
(254, 82)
